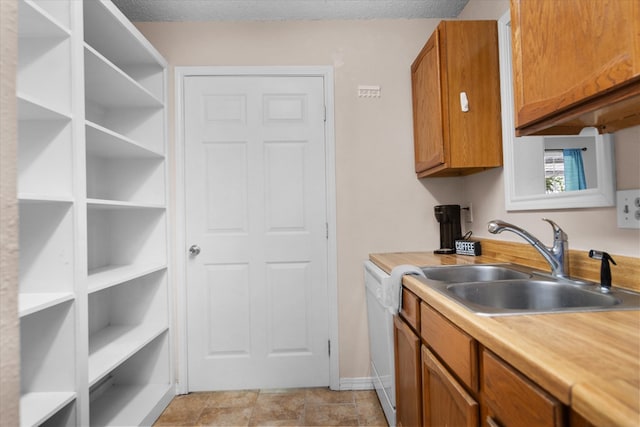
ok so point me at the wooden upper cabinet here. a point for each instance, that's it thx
(459, 57)
(576, 63)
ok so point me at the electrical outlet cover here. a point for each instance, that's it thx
(628, 208)
(468, 213)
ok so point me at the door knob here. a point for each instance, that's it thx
(194, 250)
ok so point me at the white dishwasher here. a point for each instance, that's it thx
(383, 302)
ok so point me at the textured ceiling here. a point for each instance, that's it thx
(278, 10)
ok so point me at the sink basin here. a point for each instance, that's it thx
(531, 295)
(506, 289)
(473, 273)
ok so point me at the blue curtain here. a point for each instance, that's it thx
(574, 178)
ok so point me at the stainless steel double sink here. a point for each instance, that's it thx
(509, 289)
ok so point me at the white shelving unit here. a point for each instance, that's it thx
(92, 186)
(128, 308)
(46, 203)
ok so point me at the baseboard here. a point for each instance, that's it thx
(362, 383)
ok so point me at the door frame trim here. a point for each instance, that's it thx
(180, 244)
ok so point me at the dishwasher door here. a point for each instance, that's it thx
(380, 319)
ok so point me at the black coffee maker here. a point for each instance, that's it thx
(449, 218)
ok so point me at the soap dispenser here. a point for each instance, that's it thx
(605, 268)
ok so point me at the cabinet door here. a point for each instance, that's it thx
(427, 106)
(593, 46)
(459, 61)
(509, 399)
(407, 355)
(470, 54)
(445, 402)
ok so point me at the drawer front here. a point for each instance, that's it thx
(456, 348)
(411, 309)
(509, 399)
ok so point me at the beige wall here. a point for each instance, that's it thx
(587, 228)
(381, 206)
(9, 324)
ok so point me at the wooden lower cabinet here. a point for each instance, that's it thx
(407, 367)
(444, 401)
(444, 377)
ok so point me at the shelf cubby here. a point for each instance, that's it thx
(136, 392)
(124, 240)
(123, 319)
(119, 104)
(108, 85)
(103, 142)
(111, 346)
(119, 169)
(58, 10)
(102, 278)
(43, 19)
(110, 33)
(126, 179)
(44, 49)
(46, 253)
(45, 157)
(47, 363)
(143, 125)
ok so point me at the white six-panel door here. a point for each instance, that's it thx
(257, 306)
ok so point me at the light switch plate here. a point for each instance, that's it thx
(628, 208)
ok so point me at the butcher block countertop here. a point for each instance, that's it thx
(588, 361)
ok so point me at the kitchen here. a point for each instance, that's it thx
(374, 147)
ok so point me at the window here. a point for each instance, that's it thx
(554, 171)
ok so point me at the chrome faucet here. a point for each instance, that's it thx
(557, 256)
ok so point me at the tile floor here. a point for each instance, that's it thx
(290, 407)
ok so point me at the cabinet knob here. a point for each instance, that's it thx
(194, 250)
